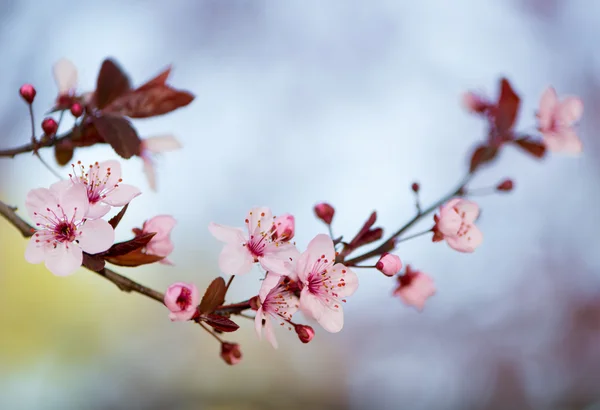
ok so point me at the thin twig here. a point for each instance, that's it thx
(390, 243)
(123, 283)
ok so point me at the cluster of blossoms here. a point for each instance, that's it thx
(68, 218)
(70, 231)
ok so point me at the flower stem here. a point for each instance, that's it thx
(213, 334)
(416, 235)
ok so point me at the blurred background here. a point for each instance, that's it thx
(299, 102)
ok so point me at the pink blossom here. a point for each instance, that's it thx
(389, 264)
(152, 146)
(65, 77)
(242, 249)
(414, 288)
(324, 283)
(277, 302)
(62, 231)
(182, 300)
(284, 227)
(103, 184)
(160, 244)
(455, 224)
(556, 119)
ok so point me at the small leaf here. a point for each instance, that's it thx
(159, 80)
(482, 155)
(93, 262)
(356, 241)
(508, 107)
(132, 259)
(220, 323)
(531, 146)
(214, 295)
(118, 132)
(63, 152)
(123, 248)
(111, 84)
(114, 221)
(150, 102)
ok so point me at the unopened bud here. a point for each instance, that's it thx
(507, 185)
(305, 333)
(284, 227)
(28, 93)
(76, 110)
(389, 264)
(231, 353)
(50, 126)
(325, 212)
(415, 187)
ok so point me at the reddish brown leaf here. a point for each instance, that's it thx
(111, 84)
(93, 262)
(159, 80)
(132, 259)
(531, 146)
(114, 221)
(357, 240)
(368, 237)
(150, 102)
(482, 155)
(214, 295)
(220, 323)
(118, 132)
(63, 152)
(123, 248)
(508, 107)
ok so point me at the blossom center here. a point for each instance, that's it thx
(184, 299)
(257, 245)
(65, 231)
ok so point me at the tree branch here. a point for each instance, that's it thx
(390, 243)
(33, 147)
(123, 283)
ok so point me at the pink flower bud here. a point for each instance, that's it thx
(50, 126)
(182, 300)
(507, 185)
(325, 212)
(389, 264)
(231, 353)
(76, 110)
(28, 93)
(305, 333)
(284, 228)
(415, 187)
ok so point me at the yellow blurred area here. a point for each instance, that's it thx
(41, 313)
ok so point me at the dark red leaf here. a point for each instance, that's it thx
(132, 259)
(368, 237)
(111, 84)
(114, 221)
(220, 323)
(355, 242)
(482, 155)
(150, 102)
(159, 80)
(123, 248)
(214, 295)
(63, 152)
(508, 107)
(118, 132)
(531, 146)
(93, 262)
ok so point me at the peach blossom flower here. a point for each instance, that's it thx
(456, 224)
(182, 300)
(414, 288)
(556, 120)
